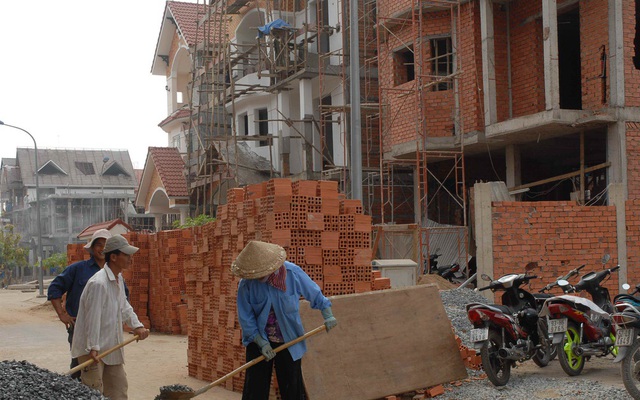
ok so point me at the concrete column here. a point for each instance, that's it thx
(616, 54)
(488, 62)
(184, 213)
(69, 221)
(551, 68)
(512, 157)
(283, 131)
(618, 198)
(158, 222)
(483, 233)
(172, 93)
(306, 113)
(617, 154)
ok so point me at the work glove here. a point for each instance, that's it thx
(329, 320)
(265, 347)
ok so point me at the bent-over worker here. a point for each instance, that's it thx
(102, 311)
(268, 310)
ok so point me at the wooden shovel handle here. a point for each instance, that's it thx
(253, 362)
(99, 356)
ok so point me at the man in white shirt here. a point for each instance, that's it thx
(103, 310)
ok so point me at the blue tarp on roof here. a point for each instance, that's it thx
(266, 29)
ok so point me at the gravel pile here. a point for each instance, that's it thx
(455, 302)
(22, 380)
(526, 386)
(532, 387)
(167, 390)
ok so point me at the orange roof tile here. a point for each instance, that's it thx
(180, 113)
(170, 167)
(186, 16)
(88, 231)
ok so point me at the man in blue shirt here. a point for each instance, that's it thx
(268, 310)
(72, 281)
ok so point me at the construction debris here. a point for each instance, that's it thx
(22, 380)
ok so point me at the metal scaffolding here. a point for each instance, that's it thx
(414, 182)
(309, 45)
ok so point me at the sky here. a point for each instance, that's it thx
(77, 74)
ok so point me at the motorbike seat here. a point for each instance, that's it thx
(492, 307)
(627, 298)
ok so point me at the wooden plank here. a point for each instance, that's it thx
(386, 342)
(561, 177)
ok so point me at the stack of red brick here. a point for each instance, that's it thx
(137, 276)
(167, 287)
(327, 236)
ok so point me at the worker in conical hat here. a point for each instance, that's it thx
(268, 310)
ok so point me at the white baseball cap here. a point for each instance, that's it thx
(118, 242)
(99, 234)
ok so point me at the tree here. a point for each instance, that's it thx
(11, 254)
(201, 219)
(56, 263)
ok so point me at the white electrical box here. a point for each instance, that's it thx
(401, 272)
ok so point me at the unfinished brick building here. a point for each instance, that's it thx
(541, 95)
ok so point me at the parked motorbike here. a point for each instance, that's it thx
(580, 327)
(453, 273)
(543, 296)
(626, 318)
(510, 332)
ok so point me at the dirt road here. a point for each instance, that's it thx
(31, 331)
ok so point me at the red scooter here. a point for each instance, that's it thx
(509, 332)
(580, 327)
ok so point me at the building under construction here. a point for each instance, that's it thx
(537, 94)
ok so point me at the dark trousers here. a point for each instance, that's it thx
(74, 361)
(257, 381)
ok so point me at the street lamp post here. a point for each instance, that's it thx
(38, 220)
(105, 159)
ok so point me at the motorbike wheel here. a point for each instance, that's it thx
(630, 369)
(544, 355)
(498, 370)
(571, 364)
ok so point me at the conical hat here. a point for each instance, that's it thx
(258, 259)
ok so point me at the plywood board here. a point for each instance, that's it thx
(386, 342)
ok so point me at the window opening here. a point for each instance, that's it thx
(441, 62)
(404, 61)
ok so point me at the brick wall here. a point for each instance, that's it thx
(553, 233)
(632, 75)
(502, 72)
(527, 58)
(633, 238)
(401, 117)
(594, 33)
(633, 159)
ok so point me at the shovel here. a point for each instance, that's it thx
(99, 356)
(183, 395)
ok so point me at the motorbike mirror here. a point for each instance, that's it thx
(563, 282)
(486, 277)
(626, 286)
(531, 266)
(606, 258)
